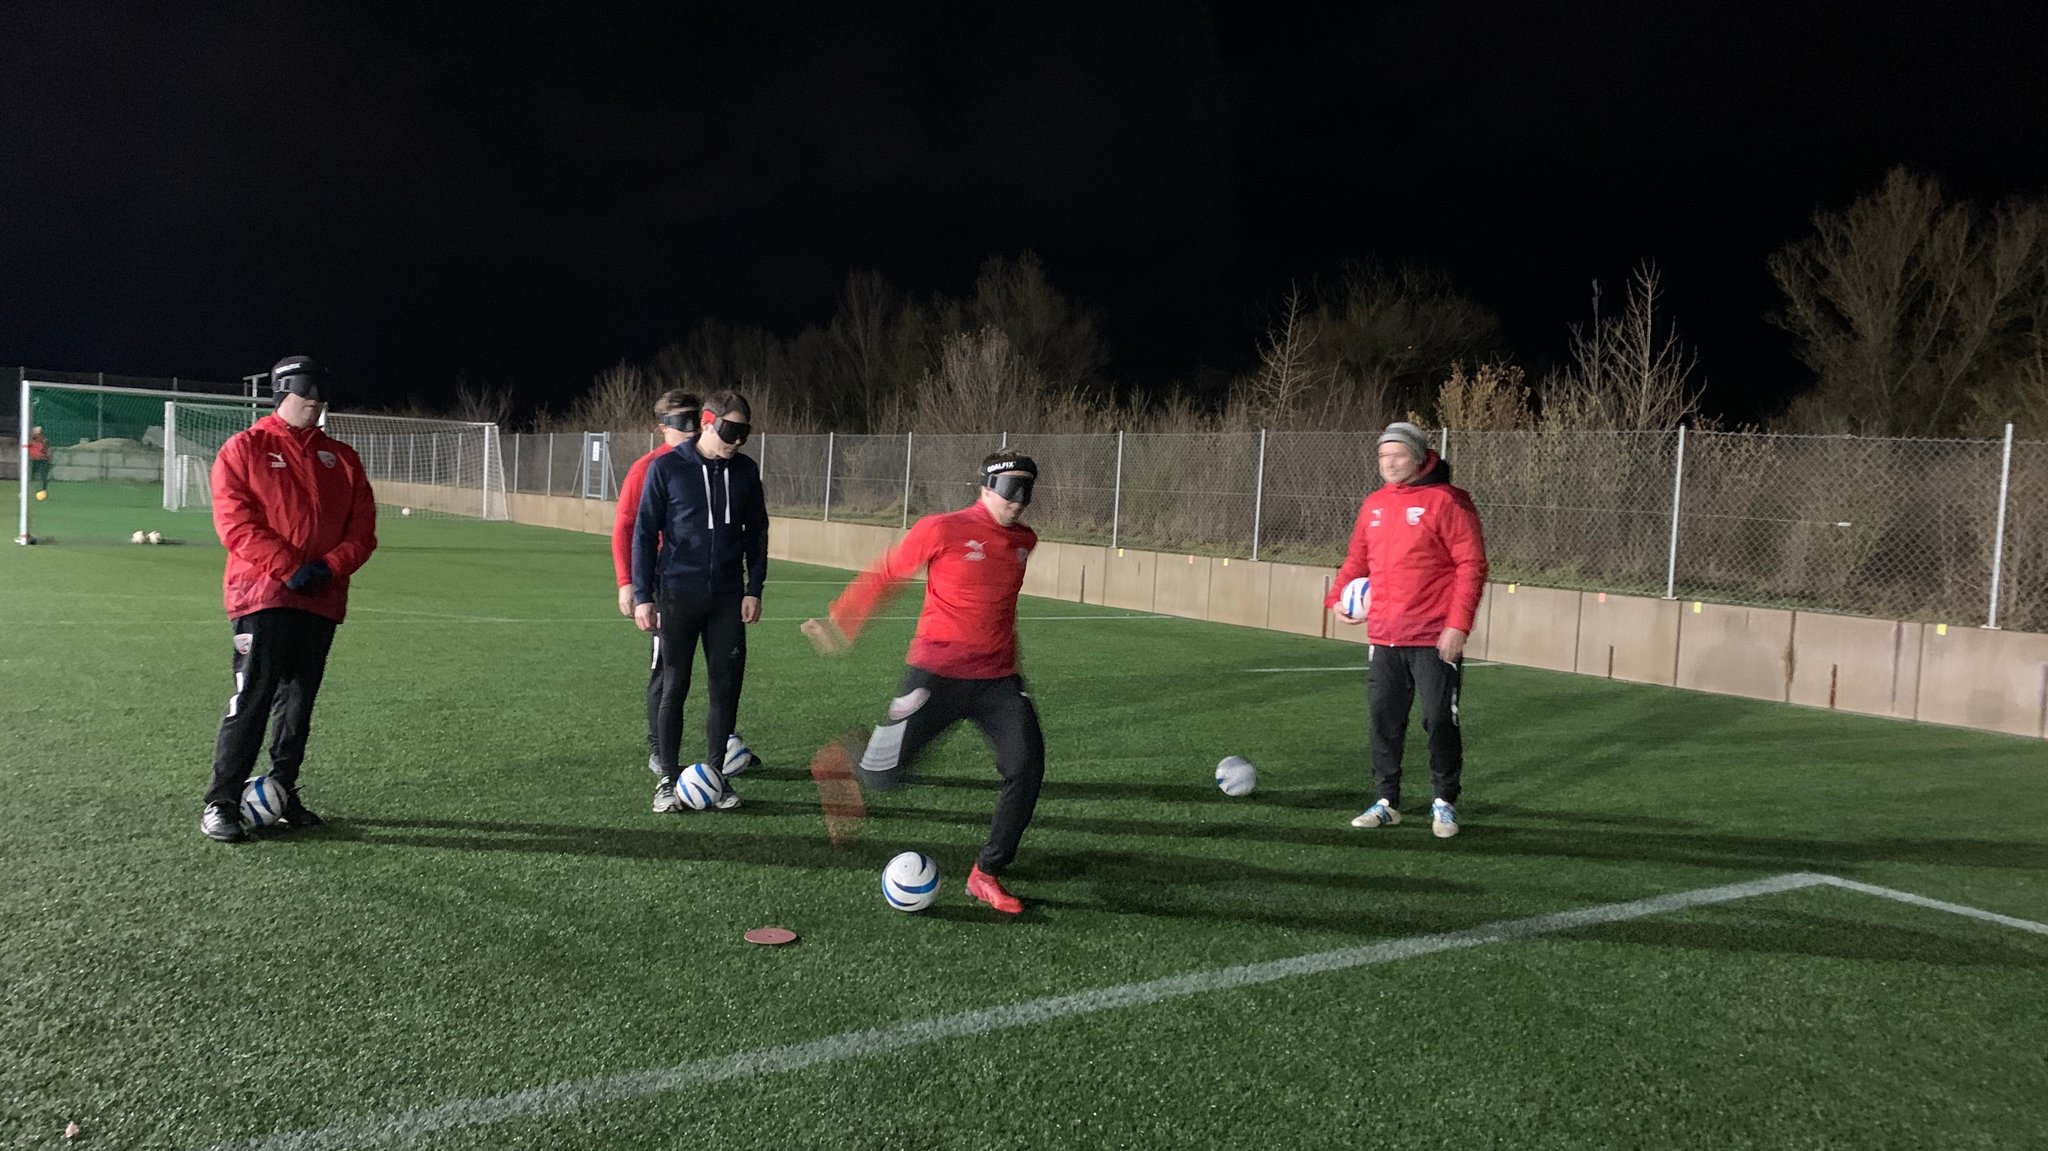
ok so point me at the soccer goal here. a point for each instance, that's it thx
(423, 466)
(103, 464)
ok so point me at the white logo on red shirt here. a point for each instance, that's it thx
(276, 460)
(326, 458)
(1414, 516)
(1375, 518)
(974, 551)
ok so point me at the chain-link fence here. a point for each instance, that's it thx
(1891, 528)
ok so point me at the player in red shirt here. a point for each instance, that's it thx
(1418, 539)
(675, 416)
(295, 510)
(962, 665)
(39, 461)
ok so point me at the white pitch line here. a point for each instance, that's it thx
(1348, 667)
(1937, 904)
(576, 1095)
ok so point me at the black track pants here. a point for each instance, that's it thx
(1398, 676)
(280, 657)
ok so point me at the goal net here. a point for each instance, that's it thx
(427, 467)
(103, 464)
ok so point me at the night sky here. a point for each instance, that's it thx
(526, 194)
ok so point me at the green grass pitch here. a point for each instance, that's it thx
(495, 911)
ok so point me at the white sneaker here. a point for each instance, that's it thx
(727, 799)
(665, 798)
(1443, 819)
(1380, 814)
(738, 756)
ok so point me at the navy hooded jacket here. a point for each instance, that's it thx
(702, 528)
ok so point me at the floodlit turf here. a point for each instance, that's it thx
(495, 910)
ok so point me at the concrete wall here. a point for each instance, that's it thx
(1628, 637)
(1735, 650)
(1968, 677)
(1855, 664)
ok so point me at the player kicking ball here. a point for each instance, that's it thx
(962, 666)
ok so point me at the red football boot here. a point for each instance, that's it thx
(987, 888)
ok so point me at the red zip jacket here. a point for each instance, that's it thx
(285, 496)
(629, 507)
(974, 570)
(1420, 544)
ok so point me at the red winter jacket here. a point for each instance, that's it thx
(630, 491)
(974, 568)
(285, 496)
(1420, 544)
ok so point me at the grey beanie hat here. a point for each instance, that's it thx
(1408, 436)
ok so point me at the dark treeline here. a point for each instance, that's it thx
(1916, 315)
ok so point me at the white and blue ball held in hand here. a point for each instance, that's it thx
(263, 801)
(911, 881)
(1355, 598)
(1236, 776)
(699, 786)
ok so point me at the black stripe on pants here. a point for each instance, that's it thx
(1398, 676)
(684, 621)
(929, 704)
(278, 669)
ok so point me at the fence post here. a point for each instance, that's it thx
(1677, 490)
(830, 438)
(1116, 502)
(1258, 494)
(1998, 541)
(518, 440)
(906, 477)
(1443, 442)
(551, 464)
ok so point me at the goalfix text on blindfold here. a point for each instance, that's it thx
(1015, 488)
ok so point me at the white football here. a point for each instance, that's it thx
(1356, 598)
(136, 538)
(156, 537)
(1236, 776)
(405, 511)
(262, 802)
(911, 881)
(699, 786)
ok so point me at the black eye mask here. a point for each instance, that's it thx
(1016, 489)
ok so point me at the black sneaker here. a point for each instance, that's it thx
(297, 814)
(222, 823)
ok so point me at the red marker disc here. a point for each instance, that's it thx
(771, 936)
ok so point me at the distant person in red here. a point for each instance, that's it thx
(296, 513)
(675, 416)
(962, 664)
(1417, 538)
(39, 461)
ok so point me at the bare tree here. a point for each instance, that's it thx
(1057, 337)
(620, 399)
(1289, 372)
(1628, 372)
(1907, 307)
(482, 403)
(1490, 398)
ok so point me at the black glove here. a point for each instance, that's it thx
(309, 576)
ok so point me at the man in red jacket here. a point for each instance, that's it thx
(295, 511)
(1418, 540)
(963, 664)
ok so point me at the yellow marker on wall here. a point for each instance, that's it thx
(1511, 589)
(1695, 607)
(1941, 629)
